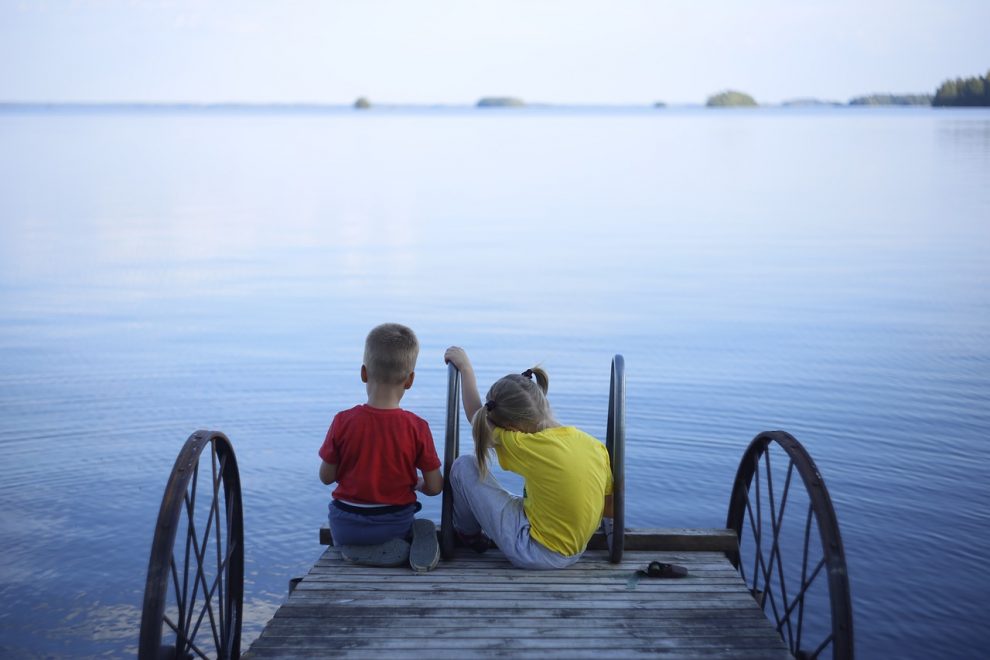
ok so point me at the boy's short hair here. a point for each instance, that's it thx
(390, 353)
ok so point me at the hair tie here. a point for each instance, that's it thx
(489, 405)
(528, 373)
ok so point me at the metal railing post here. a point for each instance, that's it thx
(615, 442)
(451, 451)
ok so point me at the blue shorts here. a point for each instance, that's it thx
(351, 528)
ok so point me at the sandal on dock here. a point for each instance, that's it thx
(425, 551)
(658, 569)
(394, 552)
(479, 542)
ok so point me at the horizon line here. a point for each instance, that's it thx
(808, 102)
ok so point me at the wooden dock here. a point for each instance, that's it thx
(481, 605)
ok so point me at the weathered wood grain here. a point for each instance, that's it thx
(481, 605)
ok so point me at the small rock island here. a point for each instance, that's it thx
(731, 99)
(500, 102)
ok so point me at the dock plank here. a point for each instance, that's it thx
(482, 605)
(667, 538)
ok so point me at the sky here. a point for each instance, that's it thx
(457, 51)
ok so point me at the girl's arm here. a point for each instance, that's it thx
(456, 356)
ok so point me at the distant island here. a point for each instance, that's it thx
(731, 99)
(964, 92)
(500, 102)
(892, 99)
(959, 92)
(810, 103)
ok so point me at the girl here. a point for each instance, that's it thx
(568, 482)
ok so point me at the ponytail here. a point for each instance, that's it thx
(484, 439)
(542, 379)
(513, 402)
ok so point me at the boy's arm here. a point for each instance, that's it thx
(456, 356)
(328, 472)
(431, 483)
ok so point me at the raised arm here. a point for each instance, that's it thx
(456, 356)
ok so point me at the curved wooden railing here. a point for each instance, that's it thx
(788, 590)
(194, 591)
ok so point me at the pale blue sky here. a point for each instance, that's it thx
(455, 51)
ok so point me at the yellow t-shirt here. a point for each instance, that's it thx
(567, 477)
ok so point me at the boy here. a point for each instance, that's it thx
(373, 452)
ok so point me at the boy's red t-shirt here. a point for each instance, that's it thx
(377, 452)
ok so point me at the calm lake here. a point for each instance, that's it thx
(826, 272)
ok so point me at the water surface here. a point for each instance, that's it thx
(820, 271)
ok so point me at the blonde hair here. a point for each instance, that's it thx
(515, 402)
(390, 353)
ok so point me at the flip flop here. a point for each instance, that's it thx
(658, 569)
(394, 552)
(479, 542)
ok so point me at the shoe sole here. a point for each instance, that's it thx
(391, 553)
(424, 553)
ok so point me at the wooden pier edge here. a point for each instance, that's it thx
(669, 539)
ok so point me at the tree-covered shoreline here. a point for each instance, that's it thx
(964, 92)
(960, 92)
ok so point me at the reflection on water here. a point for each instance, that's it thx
(824, 272)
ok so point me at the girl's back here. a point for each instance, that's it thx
(567, 478)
